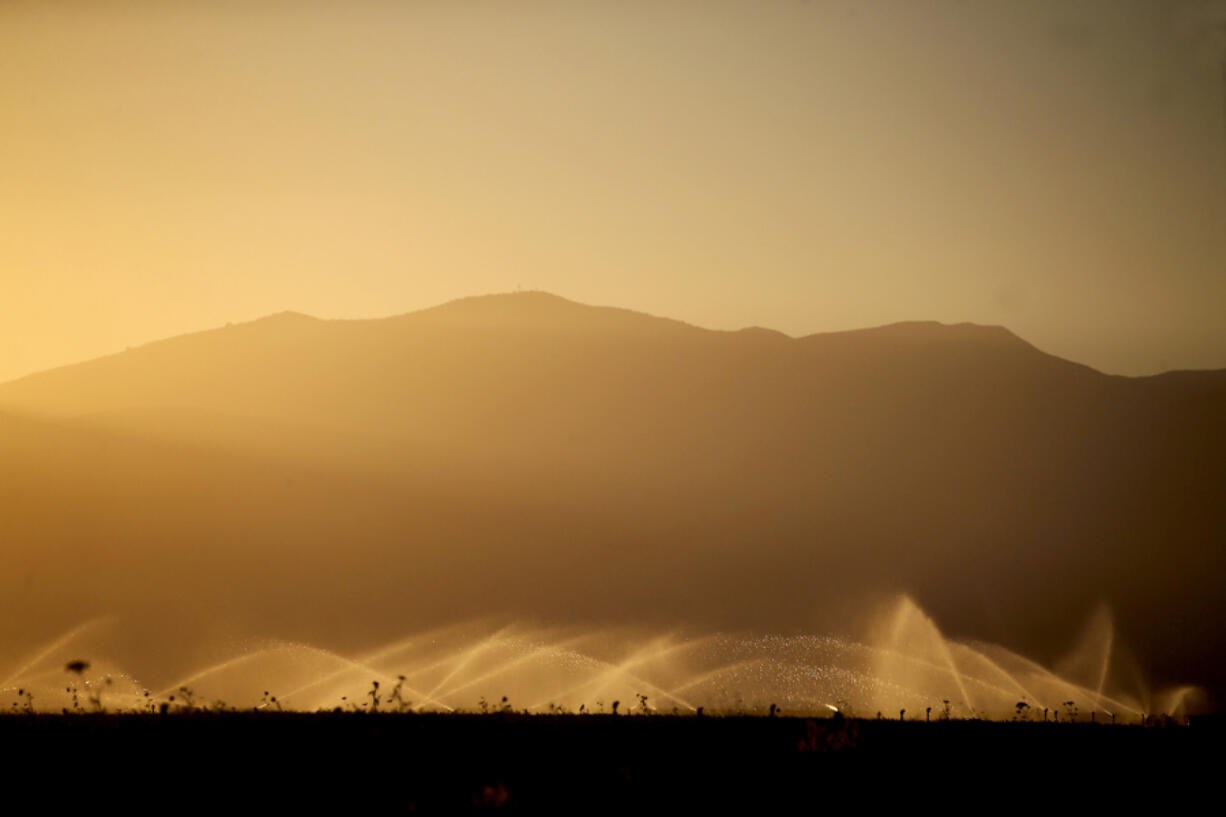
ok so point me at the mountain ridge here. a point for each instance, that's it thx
(516, 310)
(581, 463)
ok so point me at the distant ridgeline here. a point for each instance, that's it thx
(525, 457)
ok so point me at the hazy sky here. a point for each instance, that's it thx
(1052, 165)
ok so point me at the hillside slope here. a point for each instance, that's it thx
(528, 456)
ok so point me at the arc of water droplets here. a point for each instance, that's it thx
(1001, 671)
(380, 654)
(913, 659)
(1076, 689)
(511, 664)
(1108, 645)
(981, 670)
(467, 657)
(718, 671)
(908, 608)
(603, 679)
(242, 659)
(56, 644)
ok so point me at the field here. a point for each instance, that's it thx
(444, 763)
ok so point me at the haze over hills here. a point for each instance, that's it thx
(525, 455)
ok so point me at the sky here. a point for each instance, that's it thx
(1055, 166)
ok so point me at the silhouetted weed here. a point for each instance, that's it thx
(402, 705)
(374, 696)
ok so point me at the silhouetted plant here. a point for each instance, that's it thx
(189, 698)
(77, 668)
(642, 702)
(401, 704)
(374, 696)
(945, 710)
(615, 705)
(1022, 711)
(95, 697)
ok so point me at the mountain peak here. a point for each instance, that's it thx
(521, 301)
(538, 310)
(287, 316)
(921, 334)
(920, 330)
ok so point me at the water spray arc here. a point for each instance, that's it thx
(907, 664)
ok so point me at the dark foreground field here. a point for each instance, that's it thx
(582, 764)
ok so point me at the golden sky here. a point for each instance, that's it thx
(1055, 166)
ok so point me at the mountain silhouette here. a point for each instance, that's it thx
(526, 455)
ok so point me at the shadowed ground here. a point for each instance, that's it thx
(435, 763)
